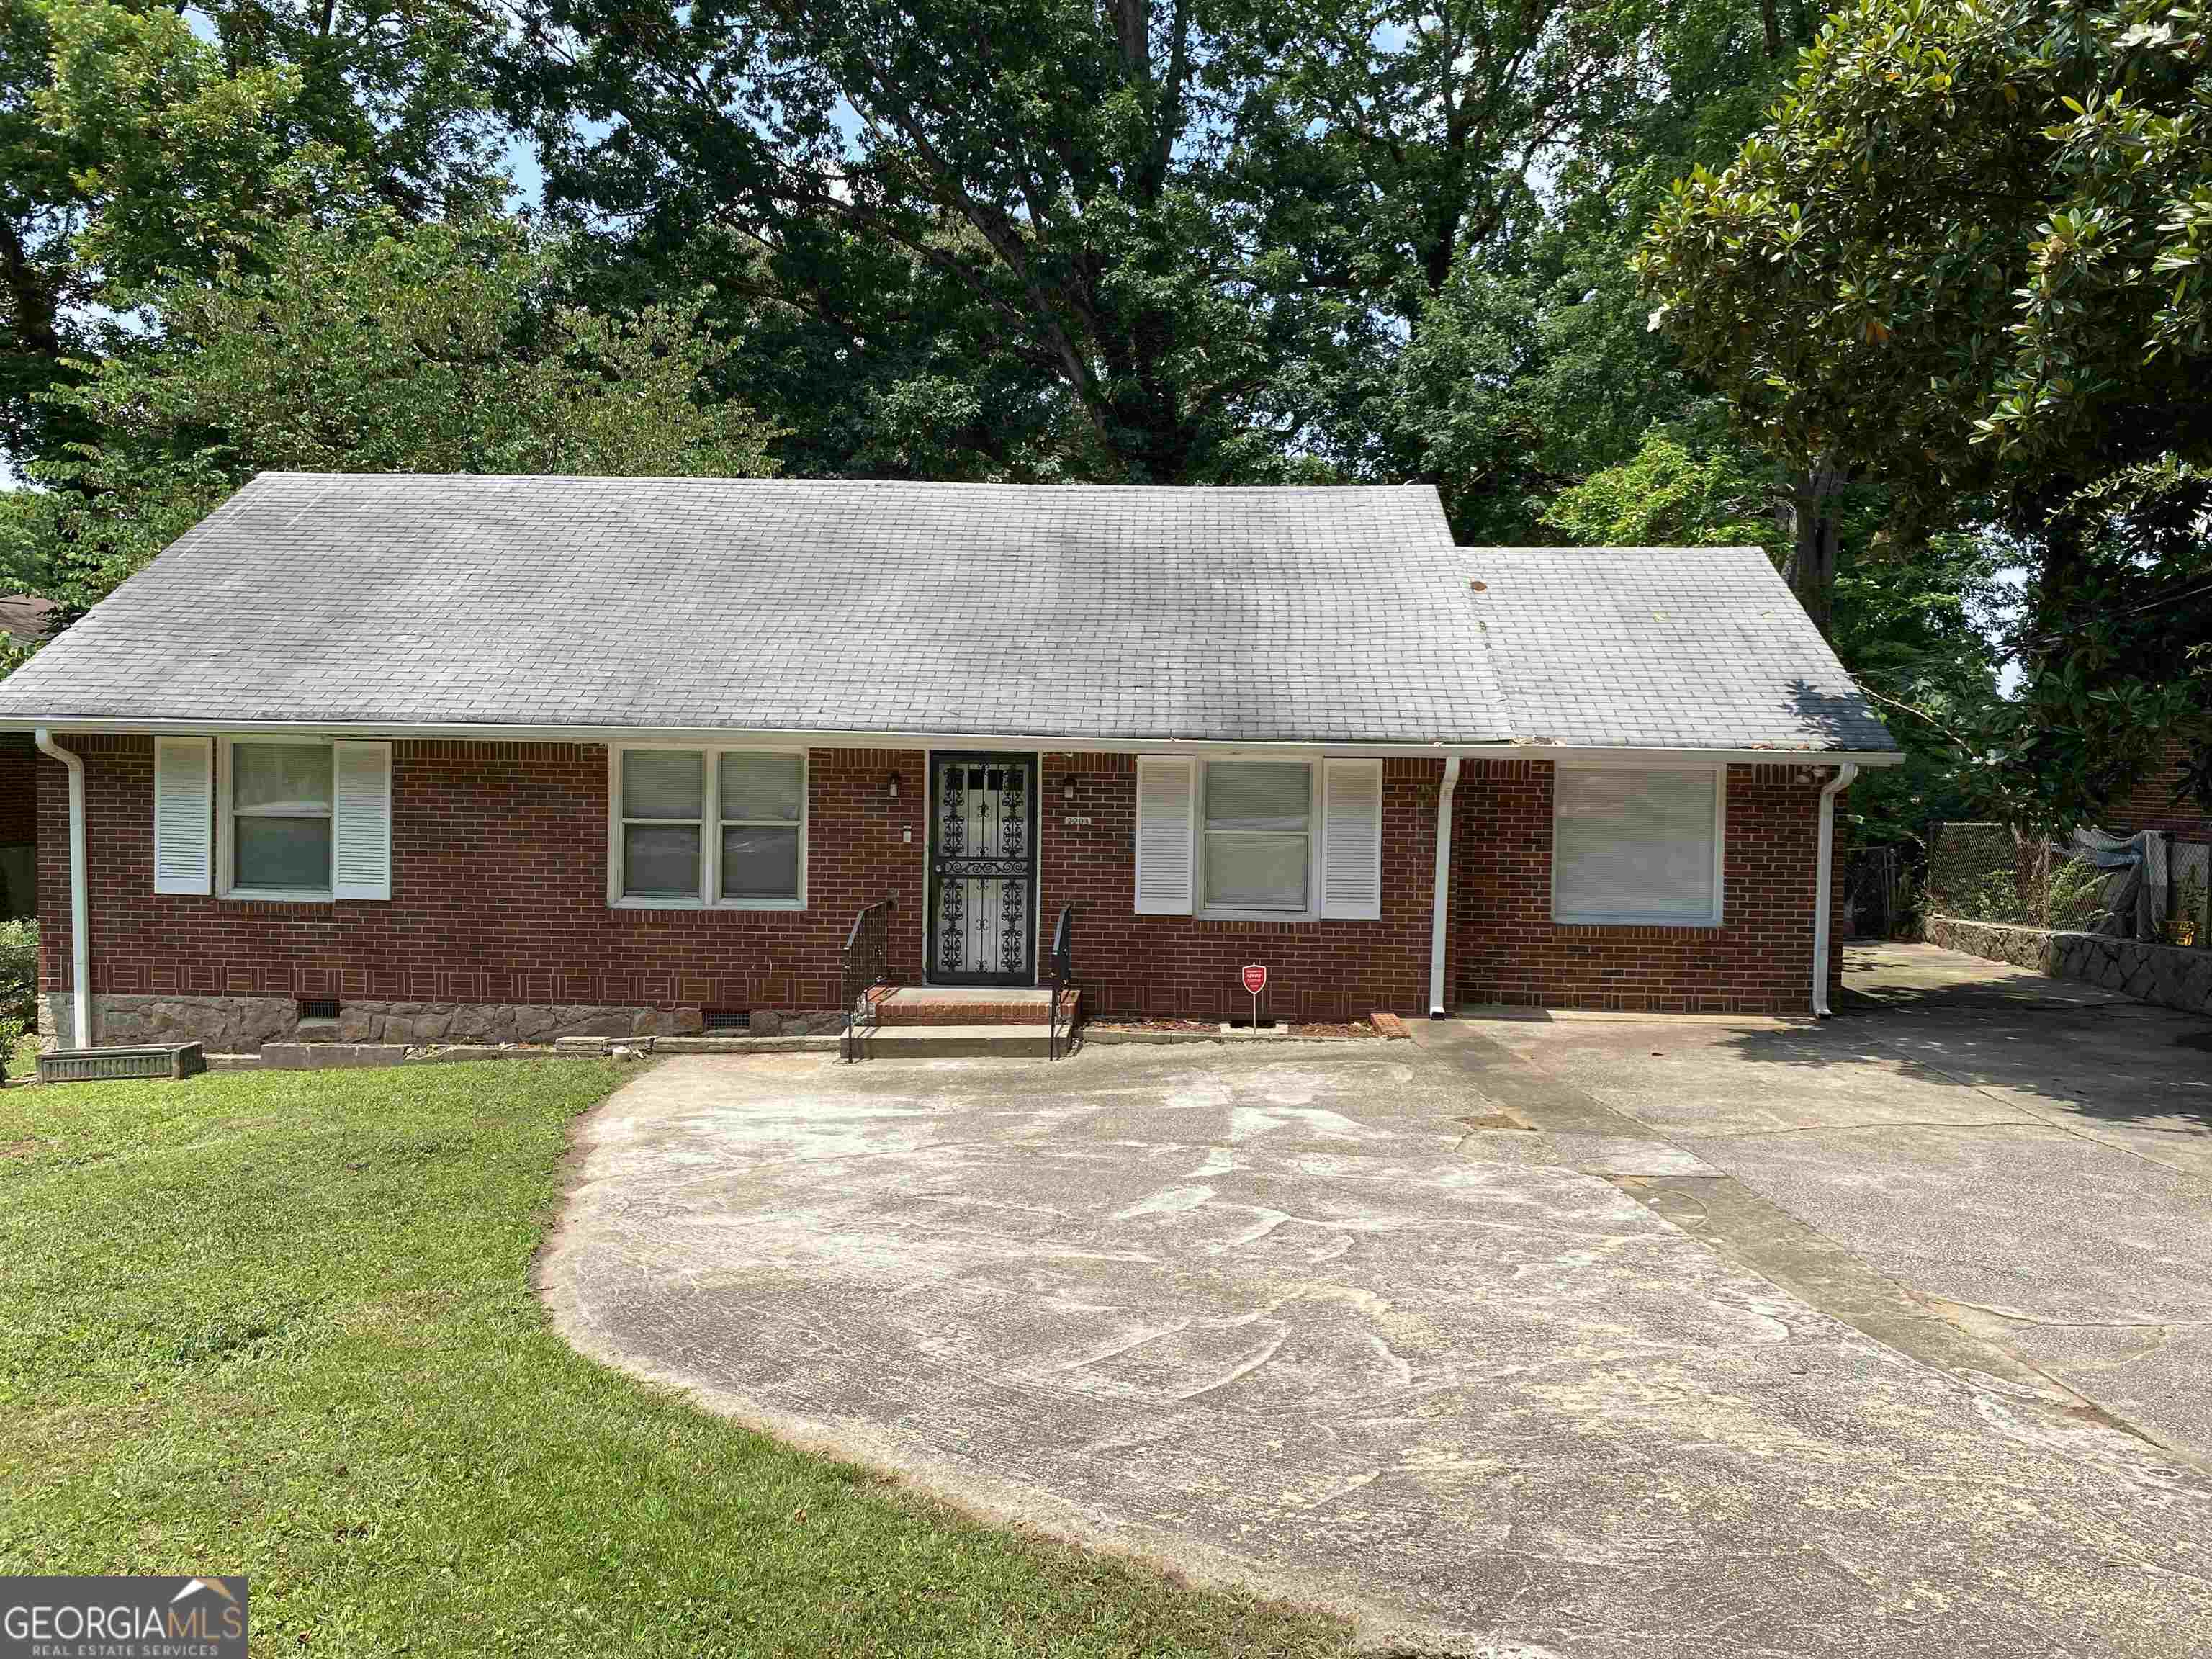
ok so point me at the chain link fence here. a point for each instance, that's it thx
(2150, 887)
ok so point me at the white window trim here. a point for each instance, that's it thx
(710, 828)
(1625, 919)
(1314, 828)
(226, 868)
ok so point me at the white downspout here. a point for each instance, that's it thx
(80, 893)
(1823, 883)
(1440, 915)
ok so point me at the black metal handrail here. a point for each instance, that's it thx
(1062, 965)
(868, 964)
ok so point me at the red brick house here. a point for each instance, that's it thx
(520, 758)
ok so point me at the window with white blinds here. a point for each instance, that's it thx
(692, 826)
(1285, 840)
(1258, 841)
(1636, 845)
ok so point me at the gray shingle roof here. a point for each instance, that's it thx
(1663, 647)
(1328, 615)
(1072, 612)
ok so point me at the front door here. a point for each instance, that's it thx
(982, 868)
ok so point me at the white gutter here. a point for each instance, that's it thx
(1440, 911)
(1823, 883)
(80, 893)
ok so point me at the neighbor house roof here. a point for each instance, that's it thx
(1316, 615)
(1661, 648)
(23, 617)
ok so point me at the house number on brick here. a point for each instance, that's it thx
(1075, 823)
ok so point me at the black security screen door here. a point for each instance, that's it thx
(982, 868)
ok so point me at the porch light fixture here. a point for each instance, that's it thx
(892, 784)
(1067, 787)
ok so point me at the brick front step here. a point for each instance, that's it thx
(970, 1005)
(1002, 1042)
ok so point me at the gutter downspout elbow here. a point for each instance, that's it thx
(1824, 882)
(1440, 913)
(80, 892)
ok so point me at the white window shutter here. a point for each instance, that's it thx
(361, 827)
(184, 815)
(1166, 836)
(1351, 839)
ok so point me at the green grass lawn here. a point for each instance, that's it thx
(282, 1324)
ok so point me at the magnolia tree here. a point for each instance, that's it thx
(1966, 259)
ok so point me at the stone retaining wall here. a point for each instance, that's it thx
(2152, 973)
(239, 1025)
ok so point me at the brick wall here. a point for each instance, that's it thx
(1506, 948)
(499, 892)
(2149, 802)
(1188, 966)
(499, 896)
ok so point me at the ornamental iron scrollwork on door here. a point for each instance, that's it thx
(983, 867)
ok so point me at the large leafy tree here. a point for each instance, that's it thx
(132, 144)
(1530, 366)
(1966, 259)
(426, 349)
(1082, 173)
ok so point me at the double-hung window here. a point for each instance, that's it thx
(1638, 845)
(282, 800)
(695, 827)
(299, 819)
(1259, 840)
(1258, 836)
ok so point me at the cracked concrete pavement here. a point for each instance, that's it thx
(2034, 1159)
(1643, 1378)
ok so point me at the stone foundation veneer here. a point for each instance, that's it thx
(2152, 973)
(239, 1025)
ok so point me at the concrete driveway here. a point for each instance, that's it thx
(1533, 1338)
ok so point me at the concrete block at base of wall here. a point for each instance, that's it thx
(2161, 974)
(243, 1025)
(322, 1056)
(795, 1022)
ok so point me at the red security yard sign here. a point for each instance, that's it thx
(1255, 980)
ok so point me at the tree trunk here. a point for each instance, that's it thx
(1770, 15)
(1808, 515)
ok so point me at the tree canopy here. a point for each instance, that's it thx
(1964, 259)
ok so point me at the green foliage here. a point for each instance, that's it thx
(131, 146)
(426, 348)
(382, 1428)
(1669, 494)
(19, 966)
(1964, 258)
